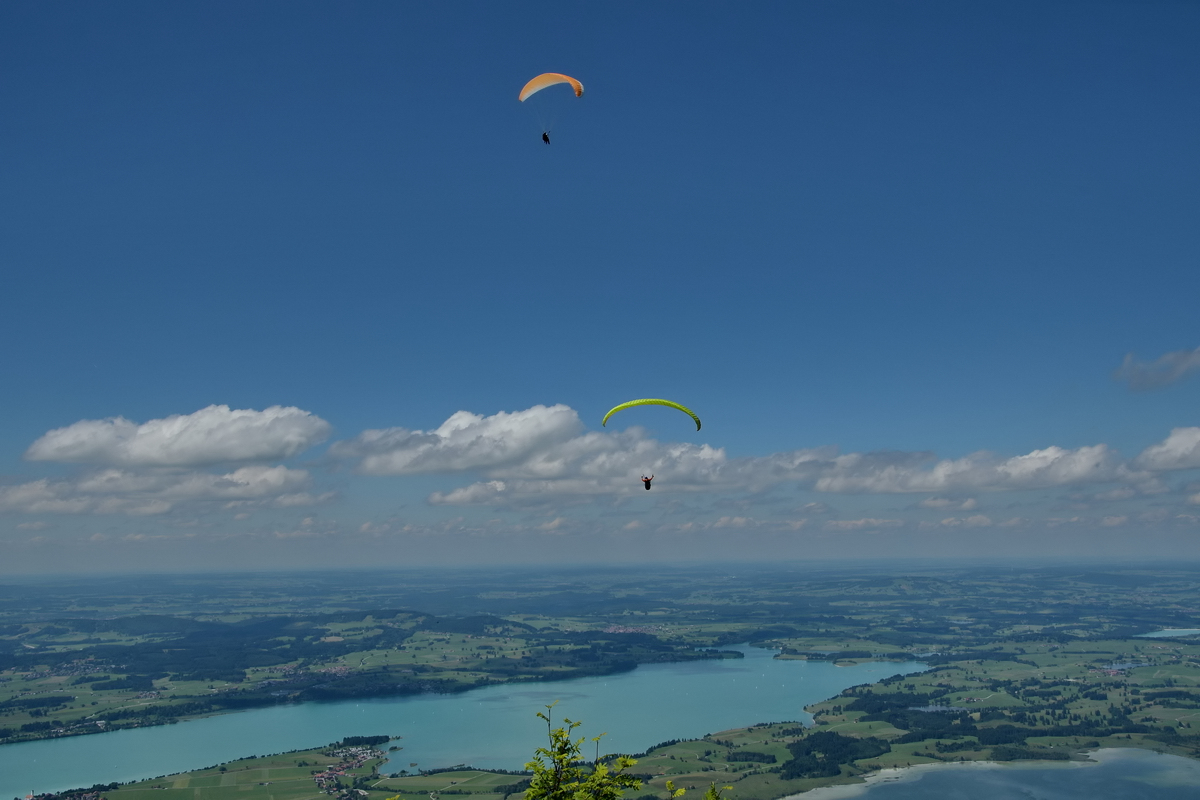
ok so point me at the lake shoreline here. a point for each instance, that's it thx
(260, 702)
(491, 727)
(1092, 758)
(836, 789)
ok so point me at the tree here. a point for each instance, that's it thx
(559, 771)
(713, 793)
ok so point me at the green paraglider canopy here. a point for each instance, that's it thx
(652, 402)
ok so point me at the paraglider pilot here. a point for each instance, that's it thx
(546, 137)
(646, 481)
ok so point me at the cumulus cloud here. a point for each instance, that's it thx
(212, 435)
(463, 442)
(1180, 450)
(1163, 371)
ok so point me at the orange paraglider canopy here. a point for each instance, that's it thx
(549, 79)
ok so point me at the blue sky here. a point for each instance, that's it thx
(894, 254)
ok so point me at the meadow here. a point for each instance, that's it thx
(1025, 663)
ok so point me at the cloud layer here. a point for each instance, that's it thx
(114, 491)
(542, 452)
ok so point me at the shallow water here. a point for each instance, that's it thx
(1120, 774)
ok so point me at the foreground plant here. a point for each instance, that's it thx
(560, 773)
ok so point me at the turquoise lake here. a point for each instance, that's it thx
(493, 726)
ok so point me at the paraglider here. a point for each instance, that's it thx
(549, 79)
(545, 106)
(652, 402)
(646, 481)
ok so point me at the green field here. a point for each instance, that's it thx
(1025, 664)
(279, 777)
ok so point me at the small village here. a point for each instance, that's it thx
(330, 781)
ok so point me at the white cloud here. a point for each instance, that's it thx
(212, 435)
(41, 497)
(1180, 450)
(970, 504)
(907, 472)
(524, 456)
(115, 491)
(973, 521)
(465, 441)
(1112, 522)
(1194, 499)
(733, 522)
(935, 502)
(471, 495)
(301, 499)
(33, 526)
(862, 524)
(245, 483)
(528, 454)
(601, 463)
(1163, 371)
